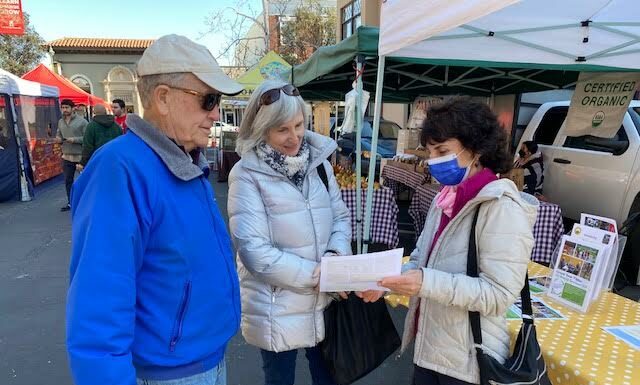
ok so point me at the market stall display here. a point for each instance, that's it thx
(586, 262)
(399, 178)
(577, 350)
(347, 179)
(28, 121)
(421, 203)
(384, 215)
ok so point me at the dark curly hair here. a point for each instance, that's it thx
(474, 125)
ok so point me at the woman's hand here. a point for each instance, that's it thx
(370, 295)
(409, 283)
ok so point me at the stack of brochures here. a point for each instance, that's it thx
(586, 262)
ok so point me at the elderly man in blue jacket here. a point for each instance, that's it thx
(154, 295)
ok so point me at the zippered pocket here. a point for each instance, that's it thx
(176, 334)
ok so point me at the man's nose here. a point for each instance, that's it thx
(214, 114)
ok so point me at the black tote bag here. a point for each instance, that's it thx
(526, 365)
(359, 336)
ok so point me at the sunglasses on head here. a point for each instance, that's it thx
(209, 101)
(273, 95)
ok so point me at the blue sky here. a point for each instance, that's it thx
(134, 19)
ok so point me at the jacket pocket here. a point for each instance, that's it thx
(176, 333)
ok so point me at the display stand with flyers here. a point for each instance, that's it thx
(586, 262)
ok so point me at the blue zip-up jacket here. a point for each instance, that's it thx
(154, 290)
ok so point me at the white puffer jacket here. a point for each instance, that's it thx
(444, 342)
(280, 234)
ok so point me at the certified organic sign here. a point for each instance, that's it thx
(599, 103)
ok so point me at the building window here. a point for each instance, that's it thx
(350, 17)
(83, 82)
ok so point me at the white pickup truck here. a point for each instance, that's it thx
(586, 173)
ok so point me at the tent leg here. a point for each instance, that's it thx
(359, 60)
(374, 146)
(25, 196)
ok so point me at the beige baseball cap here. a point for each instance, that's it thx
(175, 53)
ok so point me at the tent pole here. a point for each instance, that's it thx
(334, 158)
(359, 61)
(374, 146)
(25, 196)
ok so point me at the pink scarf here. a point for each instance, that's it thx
(446, 199)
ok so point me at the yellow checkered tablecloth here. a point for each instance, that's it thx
(577, 351)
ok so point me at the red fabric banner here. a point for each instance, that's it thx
(11, 17)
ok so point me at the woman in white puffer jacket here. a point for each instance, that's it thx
(283, 220)
(467, 147)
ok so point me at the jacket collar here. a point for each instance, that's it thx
(492, 191)
(73, 118)
(320, 148)
(177, 161)
(506, 188)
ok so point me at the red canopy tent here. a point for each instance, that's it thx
(68, 90)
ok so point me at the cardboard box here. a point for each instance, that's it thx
(422, 154)
(404, 166)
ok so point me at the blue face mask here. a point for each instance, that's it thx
(447, 171)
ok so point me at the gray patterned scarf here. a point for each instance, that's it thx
(293, 167)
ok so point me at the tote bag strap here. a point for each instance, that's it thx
(472, 271)
(322, 173)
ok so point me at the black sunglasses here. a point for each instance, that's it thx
(209, 101)
(273, 95)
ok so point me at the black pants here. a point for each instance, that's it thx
(69, 171)
(422, 376)
(280, 368)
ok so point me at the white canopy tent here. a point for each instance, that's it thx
(13, 86)
(504, 40)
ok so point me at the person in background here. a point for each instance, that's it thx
(82, 111)
(99, 131)
(468, 147)
(283, 219)
(4, 134)
(154, 296)
(530, 159)
(120, 112)
(71, 128)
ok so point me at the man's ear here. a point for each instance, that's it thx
(161, 99)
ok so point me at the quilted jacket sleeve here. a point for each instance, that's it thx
(250, 233)
(504, 241)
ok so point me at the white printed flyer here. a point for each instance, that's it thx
(605, 231)
(541, 310)
(628, 334)
(607, 240)
(574, 277)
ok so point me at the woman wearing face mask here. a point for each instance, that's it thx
(467, 148)
(283, 218)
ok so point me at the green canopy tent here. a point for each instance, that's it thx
(532, 46)
(328, 73)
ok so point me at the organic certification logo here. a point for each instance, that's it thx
(598, 118)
